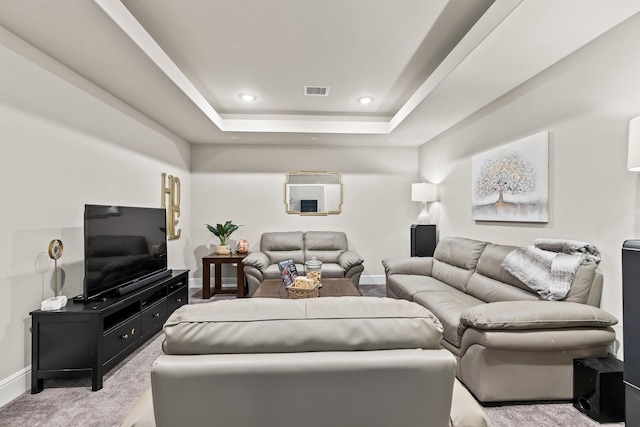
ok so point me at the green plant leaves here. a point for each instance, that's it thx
(223, 231)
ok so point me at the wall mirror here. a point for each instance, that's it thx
(313, 193)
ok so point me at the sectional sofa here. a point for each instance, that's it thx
(510, 344)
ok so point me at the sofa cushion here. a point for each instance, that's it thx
(458, 251)
(318, 324)
(491, 290)
(405, 286)
(448, 306)
(283, 245)
(326, 246)
(332, 271)
(273, 272)
(451, 275)
(490, 265)
(521, 315)
(455, 258)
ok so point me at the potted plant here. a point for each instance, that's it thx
(222, 232)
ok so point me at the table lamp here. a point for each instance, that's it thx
(424, 192)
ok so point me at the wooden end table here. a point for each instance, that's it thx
(274, 288)
(217, 261)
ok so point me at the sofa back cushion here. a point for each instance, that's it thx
(492, 283)
(266, 325)
(283, 245)
(326, 246)
(454, 260)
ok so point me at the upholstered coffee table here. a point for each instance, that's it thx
(274, 288)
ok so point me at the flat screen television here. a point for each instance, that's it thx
(308, 206)
(125, 248)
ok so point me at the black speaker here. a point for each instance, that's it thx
(598, 390)
(423, 239)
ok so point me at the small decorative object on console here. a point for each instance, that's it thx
(243, 246)
(57, 301)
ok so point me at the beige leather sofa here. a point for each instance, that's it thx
(510, 345)
(330, 247)
(343, 362)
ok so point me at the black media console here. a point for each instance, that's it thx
(89, 338)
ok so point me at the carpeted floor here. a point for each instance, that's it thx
(65, 403)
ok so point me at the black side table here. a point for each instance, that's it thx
(423, 239)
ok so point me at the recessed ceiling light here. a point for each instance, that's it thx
(365, 99)
(313, 138)
(247, 97)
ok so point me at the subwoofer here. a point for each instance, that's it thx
(598, 389)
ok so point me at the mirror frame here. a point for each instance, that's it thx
(312, 173)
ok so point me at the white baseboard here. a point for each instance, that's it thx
(196, 282)
(15, 385)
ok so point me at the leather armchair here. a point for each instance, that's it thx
(330, 247)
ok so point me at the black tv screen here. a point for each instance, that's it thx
(123, 246)
(308, 206)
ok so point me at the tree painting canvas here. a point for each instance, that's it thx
(511, 183)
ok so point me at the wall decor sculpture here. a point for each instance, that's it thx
(171, 190)
(511, 183)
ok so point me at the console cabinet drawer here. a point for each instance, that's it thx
(176, 285)
(177, 300)
(154, 316)
(121, 337)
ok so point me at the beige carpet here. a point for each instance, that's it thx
(65, 403)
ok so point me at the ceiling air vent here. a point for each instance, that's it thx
(316, 90)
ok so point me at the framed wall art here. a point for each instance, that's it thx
(511, 182)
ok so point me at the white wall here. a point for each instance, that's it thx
(246, 184)
(585, 102)
(62, 148)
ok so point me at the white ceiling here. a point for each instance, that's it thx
(428, 63)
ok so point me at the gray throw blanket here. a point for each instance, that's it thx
(550, 265)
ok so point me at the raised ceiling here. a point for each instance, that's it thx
(427, 64)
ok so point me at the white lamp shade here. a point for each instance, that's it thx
(424, 192)
(633, 157)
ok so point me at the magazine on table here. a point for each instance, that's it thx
(288, 271)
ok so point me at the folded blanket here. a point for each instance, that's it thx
(569, 247)
(549, 273)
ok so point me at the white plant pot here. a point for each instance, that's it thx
(223, 250)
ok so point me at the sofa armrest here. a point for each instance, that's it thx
(141, 414)
(534, 315)
(259, 260)
(349, 259)
(414, 265)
